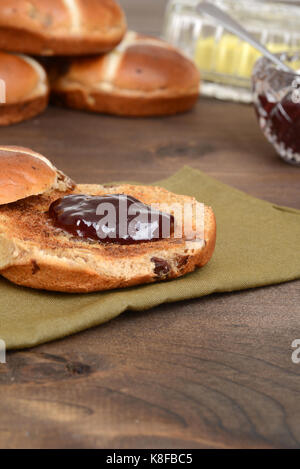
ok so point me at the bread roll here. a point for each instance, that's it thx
(25, 88)
(24, 173)
(60, 27)
(34, 253)
(143, 76)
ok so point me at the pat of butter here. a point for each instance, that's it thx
(231, 56)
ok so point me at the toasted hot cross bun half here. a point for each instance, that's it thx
(34, 253)
(24, 173)
(60, 27)
(24, 88)
(143, 76)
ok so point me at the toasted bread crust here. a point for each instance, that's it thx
(71, 280)
(38, 256)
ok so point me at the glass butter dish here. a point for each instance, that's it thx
(225, 61)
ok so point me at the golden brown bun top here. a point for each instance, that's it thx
(24, 77)
(139, 63)
(56, 18)
(147, 67)
(92, 10)
(24, 173)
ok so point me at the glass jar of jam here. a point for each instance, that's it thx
(276, 96)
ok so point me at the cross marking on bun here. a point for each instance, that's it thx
(75, 15)
(114, 58)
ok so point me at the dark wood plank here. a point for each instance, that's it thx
(214, 372)
(209, 373)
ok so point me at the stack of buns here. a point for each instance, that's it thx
(93, 62)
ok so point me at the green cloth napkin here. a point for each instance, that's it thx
(257, 244)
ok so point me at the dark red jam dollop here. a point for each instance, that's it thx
(115, 218)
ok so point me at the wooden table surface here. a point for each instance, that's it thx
(209, 373)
